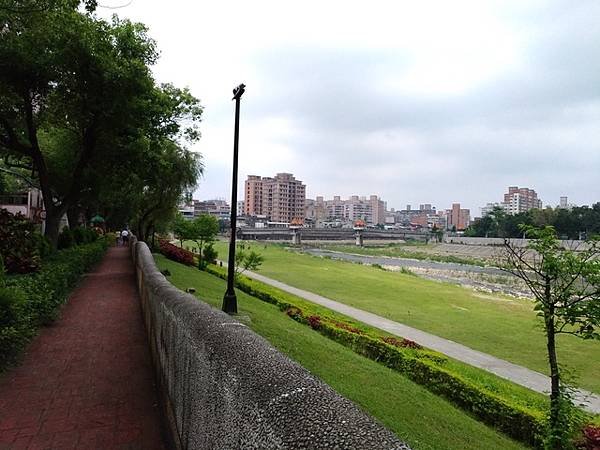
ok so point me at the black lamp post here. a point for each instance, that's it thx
(229, 299)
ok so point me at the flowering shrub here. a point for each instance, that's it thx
(176, 253)
(314, 322)
(406, 343)
(347, 327)
(294, 312)
(591, 438)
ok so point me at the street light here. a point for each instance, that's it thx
(229, 299)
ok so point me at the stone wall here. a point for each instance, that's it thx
(570, 244)
(224, 387)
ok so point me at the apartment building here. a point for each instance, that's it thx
(280, 198)
(217, 207)
(518, 200)
(371, 209)
(457, 218)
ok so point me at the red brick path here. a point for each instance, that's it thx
(86, 382)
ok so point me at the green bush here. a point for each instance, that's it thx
(44, 247)
(82, 235)
(18, 243)
(66, 239)
(28, 301)
(14, 329)
(423, 366)
(209, 254)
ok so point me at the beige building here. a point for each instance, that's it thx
(518, 200)
(281, 198)
(371, 210)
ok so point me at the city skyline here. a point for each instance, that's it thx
(413, 108)
(475, 212)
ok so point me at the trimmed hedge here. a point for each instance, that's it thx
(422, 366)
(29, 301)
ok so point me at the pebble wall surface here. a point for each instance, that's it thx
(224, 387)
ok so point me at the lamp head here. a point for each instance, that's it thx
(238, 91)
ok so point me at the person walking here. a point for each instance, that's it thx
(125, 237)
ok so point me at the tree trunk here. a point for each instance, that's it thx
(148, 230)
(73, 216)
(555, 394)
(52, 223)
(140, 232)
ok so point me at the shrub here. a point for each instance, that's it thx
(347, 327)
(176, 253)
(406, 343)
(18, 243)
(66, 238)
(590, 439)
(14, 329)
(314, 322)
(44, 247)
(209, 254)
(28, 301)
(82, 235)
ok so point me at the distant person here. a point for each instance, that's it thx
(118, 238)
(125, 237)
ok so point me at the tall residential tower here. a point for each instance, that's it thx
(281, 198)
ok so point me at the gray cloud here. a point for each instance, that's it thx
(538, 126)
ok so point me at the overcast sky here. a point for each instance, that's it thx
(414, 101)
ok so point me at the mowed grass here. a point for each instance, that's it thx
(501, 326)
(418, 417)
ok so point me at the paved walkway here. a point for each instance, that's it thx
(86, 382)
(504, 369)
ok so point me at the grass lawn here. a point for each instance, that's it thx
(498, 325)
(420, 418)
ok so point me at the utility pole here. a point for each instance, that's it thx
(230, 300)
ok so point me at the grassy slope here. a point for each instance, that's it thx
(417, 416)
(503, 327)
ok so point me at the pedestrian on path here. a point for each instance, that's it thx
(125, 237)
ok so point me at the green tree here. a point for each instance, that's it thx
(182, 228)
(204, 230)
(79, 102)
(246, 260)
(565, 284)
(169, 171)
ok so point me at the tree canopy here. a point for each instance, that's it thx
(578, 222)
(81, 110)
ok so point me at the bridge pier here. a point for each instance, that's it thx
(296, 237)
(359, 238)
